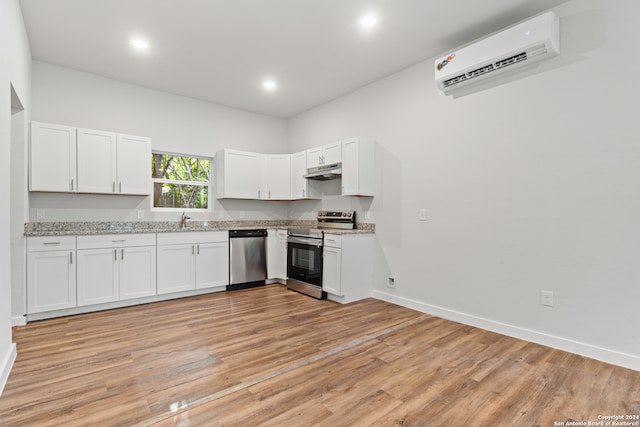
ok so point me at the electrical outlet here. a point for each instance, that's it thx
(140, 214)
(221, 215)
(241, 214)
(422, 214)
(391, 282)
(546, 298)
(367, 215)
(40, 214)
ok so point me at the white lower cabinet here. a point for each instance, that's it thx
(51, 273)
(192, 260)
(212, 264)
(277, 254)
(347, 269)
(332, 270)
(113, 268)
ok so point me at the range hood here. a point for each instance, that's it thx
(325, 172)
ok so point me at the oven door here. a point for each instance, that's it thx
(304, 260)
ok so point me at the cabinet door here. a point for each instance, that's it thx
(96, 161)
(242, 175)
(52, 158)
(298, 170)
(137, 272)
(275, 256)
(278, 168)
(97, 276)
(134, 165)
(176, 268)
(314, 157)
(212, 264)
(350, 167)
(358, 167)
(281, 266)
(331, 270)
(51, 281)
(332, 153)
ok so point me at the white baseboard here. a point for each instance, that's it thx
(594, 352)
(6, 365)
(19, 321)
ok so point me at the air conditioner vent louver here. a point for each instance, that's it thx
(455, 80)
(513, 60)
(525, 43)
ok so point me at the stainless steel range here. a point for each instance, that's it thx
(304, 252)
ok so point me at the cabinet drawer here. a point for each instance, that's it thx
(191, 237)
(333, 240)
(51, 243)
(116, 241)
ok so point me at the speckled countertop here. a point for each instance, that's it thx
(34, 229)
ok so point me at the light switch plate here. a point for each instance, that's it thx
(221, 215)
(422, 214)
(40, 214)
(140, 214)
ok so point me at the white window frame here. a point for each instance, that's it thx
(173, 181)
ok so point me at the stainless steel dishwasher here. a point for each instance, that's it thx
(247, 258)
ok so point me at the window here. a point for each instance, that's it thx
(180, 181)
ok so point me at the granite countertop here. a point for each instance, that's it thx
(35, 229)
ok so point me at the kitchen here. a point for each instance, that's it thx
(534, 193)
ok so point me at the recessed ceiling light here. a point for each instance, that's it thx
(269, 84)
(368, 21)
(140, 44)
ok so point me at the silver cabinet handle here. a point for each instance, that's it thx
(115, 254)
(71, 184)
(303, 191)
(114, 187)
(269, 193)
(122, 254)
(51, 243)
(71, 257)
(120, 187)
(118, 241)
(258, 194)
(193, 249)
(198, 249)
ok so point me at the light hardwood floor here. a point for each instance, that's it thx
(269, 356)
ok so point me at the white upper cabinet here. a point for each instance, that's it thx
(246, 175)
(277, 177)
(238, 174)
(358, 167)
(110, 163)
(332, 153)
(133, 164)
(302, 188)
(314, 157)
(106, 162)
(324, 155)
(96, 161)
(52, 158)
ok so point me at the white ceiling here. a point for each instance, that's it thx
(222, 50)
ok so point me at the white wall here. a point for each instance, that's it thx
(174, 123)
(15, 70)
(529, 185)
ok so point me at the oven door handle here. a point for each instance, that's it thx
(305, 241)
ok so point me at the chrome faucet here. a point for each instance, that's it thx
(183, 220)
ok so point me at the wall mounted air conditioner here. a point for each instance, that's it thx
(525, 43)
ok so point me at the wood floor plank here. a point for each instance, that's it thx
(270, 357)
